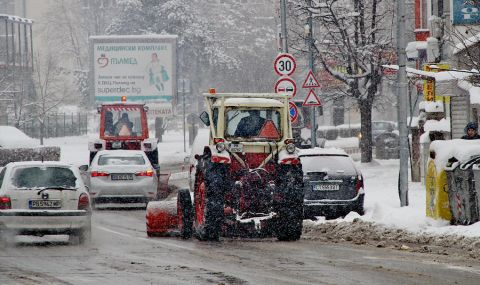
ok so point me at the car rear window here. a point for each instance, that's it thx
(330, 163)
(121, 160)
(39, 177)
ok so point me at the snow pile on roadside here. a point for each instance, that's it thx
(14, 138)
(362, 232)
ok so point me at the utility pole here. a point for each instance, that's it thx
(311, 61)
(402, 104)
(184, 117)
(283, 20)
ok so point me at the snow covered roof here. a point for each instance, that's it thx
(462, 150)
(437, 76)
(322, 151)
(121, 152)
(474, 91)
(440, 126)
(466, 43)
(413, 48)
(431, 106)
(12, 137)
(251, 102)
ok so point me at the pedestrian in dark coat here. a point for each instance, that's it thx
(471, 131)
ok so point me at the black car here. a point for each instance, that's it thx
(333, 186)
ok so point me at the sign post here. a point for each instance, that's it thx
(313, 101)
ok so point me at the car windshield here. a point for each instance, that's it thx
(123, 121)
(121, 160)
(253, 124)
(332, 164)
(43, 177)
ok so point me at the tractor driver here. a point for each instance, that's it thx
(250, 125)
(123, 127)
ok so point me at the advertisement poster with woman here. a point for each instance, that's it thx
(142, 68)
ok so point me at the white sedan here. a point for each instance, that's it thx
(116, 177)
(43, 198)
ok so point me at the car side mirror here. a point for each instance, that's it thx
(204, 118)
(83, 167)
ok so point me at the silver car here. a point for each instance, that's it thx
(117, 177)
(43, 198)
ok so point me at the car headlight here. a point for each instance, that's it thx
(290, 148)
(220, 146)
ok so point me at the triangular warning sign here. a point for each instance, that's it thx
(310, 81)
(312, 99)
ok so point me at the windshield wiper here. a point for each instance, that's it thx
(60, 188)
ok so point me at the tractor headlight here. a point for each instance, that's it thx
(220, 146)
(290, 148)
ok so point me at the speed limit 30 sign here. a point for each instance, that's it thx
(284, 64)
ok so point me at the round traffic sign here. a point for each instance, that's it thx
(284, 64)
(293, 112)
(286, 86)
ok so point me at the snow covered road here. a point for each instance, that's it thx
(122, 254)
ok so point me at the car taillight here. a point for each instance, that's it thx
(359, 183)
(83, 202)
(99, 174)
(5, 203)
(145, 173)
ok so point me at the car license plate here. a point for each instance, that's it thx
(326, 187)
(236, 147)
(45, 204)
(122, 176)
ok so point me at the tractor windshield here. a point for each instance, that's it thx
(253, 124)
(123, 121)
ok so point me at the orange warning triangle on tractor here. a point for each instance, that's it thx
(312, 99)
(310, 81)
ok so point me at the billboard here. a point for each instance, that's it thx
(142, 68)
(465, 12)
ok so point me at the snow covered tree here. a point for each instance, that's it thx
(351, 41)
(199, 51)
(66, 29)
(247, 34)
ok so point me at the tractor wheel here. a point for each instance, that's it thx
(209, 201)
(290, 211)
(185, 213)
(290, 221)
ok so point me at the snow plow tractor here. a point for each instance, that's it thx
(248, 180)
(124, 126)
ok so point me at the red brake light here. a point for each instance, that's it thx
(218, 140)
(99, 174)
(359, 183)
(145, 173)
(83, 202)
(5, 203)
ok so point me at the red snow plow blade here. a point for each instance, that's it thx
(162, 218)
